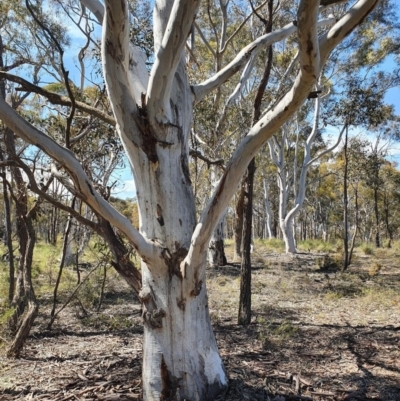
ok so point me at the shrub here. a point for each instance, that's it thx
(367, 249)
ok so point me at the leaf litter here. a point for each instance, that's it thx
(316, 335)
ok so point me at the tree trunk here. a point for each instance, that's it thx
(62, 264)
(376, 210)
(180, 356)
(180, 352)
(288, 237)
(345, 207)
(8, 236)
(353, 239)
(387, 224)
(244, 315)
(27, 319)
(268, 212)
(6, 199)
(238, 230)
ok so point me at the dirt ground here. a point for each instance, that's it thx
(316, 334)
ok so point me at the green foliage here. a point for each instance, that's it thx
(46, 260)
(317, 245)
(5, 315)
(273, 244)
(277, 333)
(328, 262)
(362, 104)
(124, 206)
(368, 249)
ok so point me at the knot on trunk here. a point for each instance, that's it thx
(154, 318)
(197, 288)
(174, 260)
(151, 315)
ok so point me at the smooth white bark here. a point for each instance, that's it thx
(167, 59)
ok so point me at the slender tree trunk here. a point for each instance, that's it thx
(31, 309)
(21, 210)
(238, 229)
(62, 263)
(268, 211)
(353, 239)
(8, 236)
(388, 229)
(244, 315)
(345, 206)
(376, 210)
(6, 199)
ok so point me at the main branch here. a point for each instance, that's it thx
(167, 59)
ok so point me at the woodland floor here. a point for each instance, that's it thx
(316, 334)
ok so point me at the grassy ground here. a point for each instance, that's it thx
(316, 333)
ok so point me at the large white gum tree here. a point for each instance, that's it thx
(153, 114)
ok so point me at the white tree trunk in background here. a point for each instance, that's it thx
(154, 116)
(268, 212)
(287, 217)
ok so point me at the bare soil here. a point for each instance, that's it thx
(316, 334)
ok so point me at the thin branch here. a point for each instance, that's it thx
(44, 195)
(204, 39)
(16, 64)
(65, 73)
(237, 30)
(55, 98)
(329, 149)
(199, 155)
(204, 88)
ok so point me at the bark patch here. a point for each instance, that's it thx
(151, 315)
(154, 319)
(159, 215)
(149, 139)
(173, 260)
(197, 288)
(181, 302)
(170, 386)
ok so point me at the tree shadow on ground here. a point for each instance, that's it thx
(296, 361)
